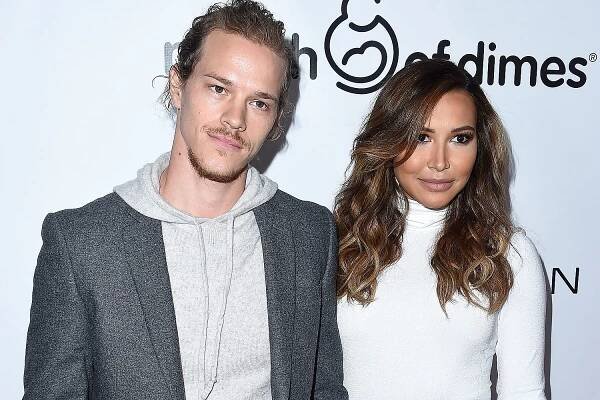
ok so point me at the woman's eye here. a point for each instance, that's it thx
(422, 138)
(462, 139)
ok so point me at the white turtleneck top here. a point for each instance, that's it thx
(403, 347)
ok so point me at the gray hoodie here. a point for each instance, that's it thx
(217, 280)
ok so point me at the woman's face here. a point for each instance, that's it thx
(445, 154)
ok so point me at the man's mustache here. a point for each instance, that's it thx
(235, 135)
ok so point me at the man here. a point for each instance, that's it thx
(199, 279)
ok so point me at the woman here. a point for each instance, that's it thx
(436, 276)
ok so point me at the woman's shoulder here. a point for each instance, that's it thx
(528, 294)
(523, 255)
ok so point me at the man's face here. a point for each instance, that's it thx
(228, 105)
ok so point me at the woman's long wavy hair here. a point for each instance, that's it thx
(469, 258)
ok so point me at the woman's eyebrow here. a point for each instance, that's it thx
(459, 129)
(463, 128)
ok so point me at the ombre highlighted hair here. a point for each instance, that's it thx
(469, 258)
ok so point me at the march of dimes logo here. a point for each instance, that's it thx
(364, 25)
(359, 25)
(362, 48)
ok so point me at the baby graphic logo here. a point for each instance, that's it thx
(367, 66)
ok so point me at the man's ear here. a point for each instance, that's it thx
(175, 87)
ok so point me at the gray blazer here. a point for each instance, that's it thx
(102, 318)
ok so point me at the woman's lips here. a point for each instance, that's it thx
(437, 185)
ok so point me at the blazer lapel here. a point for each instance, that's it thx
(145, 252)
(280, 278)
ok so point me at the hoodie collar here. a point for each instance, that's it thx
(142, 194)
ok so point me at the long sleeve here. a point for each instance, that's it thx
(521, 327)
(55, 365)
(329, 374)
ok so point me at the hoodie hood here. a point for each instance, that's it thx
(142, 194)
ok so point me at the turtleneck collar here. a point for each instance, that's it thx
(420, 217)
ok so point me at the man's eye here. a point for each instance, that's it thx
(217, 89)
(261, 105)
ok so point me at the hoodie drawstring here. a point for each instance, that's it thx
(205, 305)
(228, 276)
(213, 364)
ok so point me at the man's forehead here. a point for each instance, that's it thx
(240, 60)
(220, 42)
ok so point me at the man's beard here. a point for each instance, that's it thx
(222, 177)
(204, 172)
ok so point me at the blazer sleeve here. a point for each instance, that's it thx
(55, 366)
(521, 326)
(329, 374)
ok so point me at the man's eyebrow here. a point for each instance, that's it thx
(221, 79)
(228, 82)
(265, 95)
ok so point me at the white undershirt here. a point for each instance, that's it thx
(402, 346)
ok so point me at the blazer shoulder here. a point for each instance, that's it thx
(312, 224)
(94, 216)
(302, 211)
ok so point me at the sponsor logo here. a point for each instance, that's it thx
(364, 29)
(362, 48)
(572, 284)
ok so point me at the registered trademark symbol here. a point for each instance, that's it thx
(593, 57)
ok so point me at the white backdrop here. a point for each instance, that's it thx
(79, 115)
